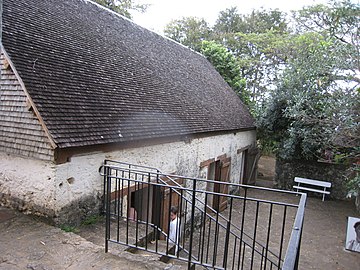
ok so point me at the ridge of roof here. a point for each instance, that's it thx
(96, 77)
(131, 21)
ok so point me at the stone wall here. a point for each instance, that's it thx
(70, 191)
(335, 173)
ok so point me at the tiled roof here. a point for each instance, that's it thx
(96, 77)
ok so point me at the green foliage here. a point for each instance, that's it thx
(339, 20)
(258, 21)
(353, 183)
(123, 7)
(310, 112)
(69, 228)
(302, 84)
(91, 220)
(225, 63)
(189, 31)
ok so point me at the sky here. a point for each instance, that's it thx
(162, 12)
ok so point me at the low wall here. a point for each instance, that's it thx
(335, 173)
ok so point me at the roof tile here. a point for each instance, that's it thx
(94, 75)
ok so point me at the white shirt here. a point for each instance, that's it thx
(353, 245)
(174, 231)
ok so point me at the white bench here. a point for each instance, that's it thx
(310, 182)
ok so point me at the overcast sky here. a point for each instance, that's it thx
(162, 12)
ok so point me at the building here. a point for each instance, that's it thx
(80, 84)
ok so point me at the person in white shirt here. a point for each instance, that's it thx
(354, 245)
(174, 230)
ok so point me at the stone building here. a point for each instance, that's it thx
(80, 84)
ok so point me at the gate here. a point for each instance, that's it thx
(251, 233)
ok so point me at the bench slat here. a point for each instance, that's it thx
(312, 182)
(312, 189)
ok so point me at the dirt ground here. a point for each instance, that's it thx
(325, 228)
(28, 243)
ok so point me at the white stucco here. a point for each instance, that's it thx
(55, 186)
(27, 180)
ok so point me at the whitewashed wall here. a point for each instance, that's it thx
(27, 184)
(41, 183)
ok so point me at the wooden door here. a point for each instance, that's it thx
(222, 172)
(252, 156)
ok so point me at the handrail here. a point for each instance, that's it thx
(293, 251)
(226, 220)
(178, 186)
(206, 180)
(213, 219)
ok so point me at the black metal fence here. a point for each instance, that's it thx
(251, 232)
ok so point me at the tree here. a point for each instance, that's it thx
(311, 113)
(258, 21)
(229, 21)
(340, 20)
(258, 41)
(123, 7)
(255, 40)
(189, 31)
(225, 63)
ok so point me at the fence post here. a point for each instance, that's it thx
(192, 222)
(227, 237)
(107, 207)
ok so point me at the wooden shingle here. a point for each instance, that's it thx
(20, 131)
(96, 77)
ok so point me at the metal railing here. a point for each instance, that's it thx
(250, 234)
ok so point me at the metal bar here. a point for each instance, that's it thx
(282, 236)
(293, 251)
(104, 178)
(226, 250)
(299, 248)
(117, 192)
(159, 221)
(243, 256)
(139, 215)
(185, 219)
(127, 212)
(234, 254)
(262, 257)
(192, 223)
(116, 188)
(135, 213)
(254, 236)
(181, 234)
(216, 240)
(122, 193)
(203, 225)
(108, 199)
(147, 214)
(169, 220)
(242, 224)
(200, 234)
(208, 241)
(268, 235)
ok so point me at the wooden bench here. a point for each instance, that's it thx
(315, 183)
